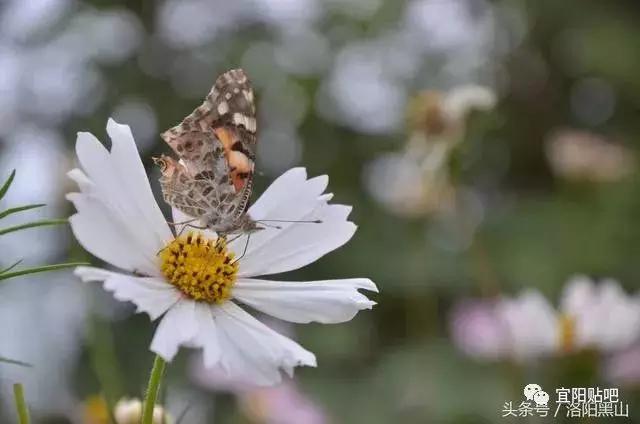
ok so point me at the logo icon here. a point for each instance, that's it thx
(530, 390)
(541, 398)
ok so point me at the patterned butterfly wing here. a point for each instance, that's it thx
(229, 111)
(216, 144)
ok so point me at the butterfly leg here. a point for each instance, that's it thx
(190, 226)
(244, 252)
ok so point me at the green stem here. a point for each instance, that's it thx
(42, 223)
(11, 211)
(152, 389)
(21, 405)
(45, 268)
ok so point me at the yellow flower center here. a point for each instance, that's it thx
(567, 332)
(202, 269)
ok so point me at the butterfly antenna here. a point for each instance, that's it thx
(315, 221)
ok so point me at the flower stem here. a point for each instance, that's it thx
(152, 389)
(21, 405)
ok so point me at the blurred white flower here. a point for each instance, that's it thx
(417, 180)
(407, 187)
(129, 411)
(590, 316)
(360, 94)
(583, 156)
(441, 116)
(119, 222)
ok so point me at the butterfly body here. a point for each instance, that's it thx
(213, 178)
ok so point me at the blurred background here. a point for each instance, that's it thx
(487, 146)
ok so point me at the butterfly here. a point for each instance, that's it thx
(216, 146)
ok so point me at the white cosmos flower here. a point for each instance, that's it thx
(119, 221)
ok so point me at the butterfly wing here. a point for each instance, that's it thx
(216, 144)
(229, 111)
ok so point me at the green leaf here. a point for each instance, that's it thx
(8, 212)
(42, 223)
(7, 184)
(10, 267)
(39, 269)
(14, 362)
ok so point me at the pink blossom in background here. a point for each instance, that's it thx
(598, 316)
(477, 329)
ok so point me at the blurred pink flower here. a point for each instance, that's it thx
(623, 368)
(478, 330)
(282, 404)
(590, 316)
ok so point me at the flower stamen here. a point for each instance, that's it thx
(202, 269)
(567, 333)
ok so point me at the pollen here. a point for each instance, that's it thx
(567, 333)
(202, 269)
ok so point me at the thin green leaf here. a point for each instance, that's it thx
(7, 184)
(14, 362)
(10, 267)
(41, 269)
(42, 223)
(8, 212)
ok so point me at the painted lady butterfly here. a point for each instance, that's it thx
(216, 145)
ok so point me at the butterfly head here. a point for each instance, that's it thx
(167, 165)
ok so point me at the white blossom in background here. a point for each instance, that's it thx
(129, 411)
(577, 155)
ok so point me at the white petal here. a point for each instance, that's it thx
(297, 245)
(293, 198)
(178, 327)
(252, 351)
(605, 316)
(151, 295)
(207, 337)
(99, 231)
(278, 192)
(532, 325)
(115, 188)
(327, 302)
(578, 295)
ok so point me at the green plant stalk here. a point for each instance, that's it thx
(11, 211)
(42, 223)
(21, 405)
(152, 389)
(45, 268)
